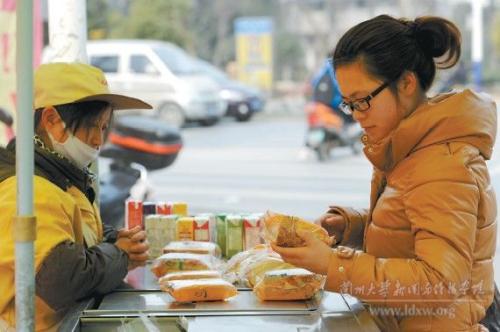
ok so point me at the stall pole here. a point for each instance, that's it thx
(24, 221)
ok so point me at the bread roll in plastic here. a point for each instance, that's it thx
(282, 229)
(288, 284)
(174, 262)
(199, 290)
(189, 275)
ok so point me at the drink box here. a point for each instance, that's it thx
(169, 226)
(133, 214)
(234, 235)
(164, 208)
(202, 228)
(220, 231)
(180, 209)
(154, 233)
(185, 229)
(251, 231)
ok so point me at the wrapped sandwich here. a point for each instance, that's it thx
(282, 229)
(193, 247)
(288, 284)
(233, 264)
(253, 269)
(189, 275)
(199, 290)
(174, 262)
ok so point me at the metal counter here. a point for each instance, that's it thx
(326, 312)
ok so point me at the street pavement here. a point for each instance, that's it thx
(263, 165)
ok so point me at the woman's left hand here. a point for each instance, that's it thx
(313, 256)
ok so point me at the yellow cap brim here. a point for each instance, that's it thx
(118, 102)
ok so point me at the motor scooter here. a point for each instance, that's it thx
(328, 130)
(328, 127)
(135, 145)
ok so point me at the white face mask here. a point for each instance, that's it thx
(78, 152)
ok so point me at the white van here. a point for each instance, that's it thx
(162, 74)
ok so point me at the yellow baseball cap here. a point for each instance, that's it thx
(63, 83)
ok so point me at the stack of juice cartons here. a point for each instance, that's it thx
(159, 220)
(237, 232)
(166, 222)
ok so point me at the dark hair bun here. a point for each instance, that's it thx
(438, 37)
(388, 47)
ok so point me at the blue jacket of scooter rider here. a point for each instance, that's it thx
(327, 74)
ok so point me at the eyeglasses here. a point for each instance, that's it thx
(362, 104)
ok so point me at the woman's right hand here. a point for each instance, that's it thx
(334, 225)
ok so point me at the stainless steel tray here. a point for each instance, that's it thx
(106, 324)
(161, 304)
(142, 279)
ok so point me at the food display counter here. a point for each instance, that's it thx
(140, 295)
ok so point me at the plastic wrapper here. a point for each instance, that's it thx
(193, 247)
(288, 284)
(233, 264)
(199, 290)
(174, 262)
(282, 229)
(254, 268)
(189, 275)
(232, 269)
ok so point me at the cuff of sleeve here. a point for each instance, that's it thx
(354, 228)
(339, 268)
(110, 236)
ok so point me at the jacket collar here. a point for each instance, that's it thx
(453, 117)
(50, 165)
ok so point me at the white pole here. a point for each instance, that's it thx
(67, 31)
(24, 222)
(477, 41)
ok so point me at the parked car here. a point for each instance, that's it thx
(243, 101)
(162, 74)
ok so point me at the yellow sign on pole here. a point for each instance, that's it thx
(254, 51)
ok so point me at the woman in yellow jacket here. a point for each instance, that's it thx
(74, 256)
(426, 244)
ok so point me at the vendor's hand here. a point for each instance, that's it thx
(125, 232)
(136, 246)
(313, 256)
(334, 225)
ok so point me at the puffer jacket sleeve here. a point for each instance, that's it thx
(110, 233)
(442, 208)
(72, 272)
(355, 225)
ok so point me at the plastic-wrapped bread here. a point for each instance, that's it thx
(282, 229)
(199, 290)
(233, 264)
(232, 270)
(174, 262)
(193, 247)
(288, 284)
(253, 269)
(189, 275)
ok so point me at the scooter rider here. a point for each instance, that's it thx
(325, 90)
(74, 257)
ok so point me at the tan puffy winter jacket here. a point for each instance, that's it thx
(429, 237)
